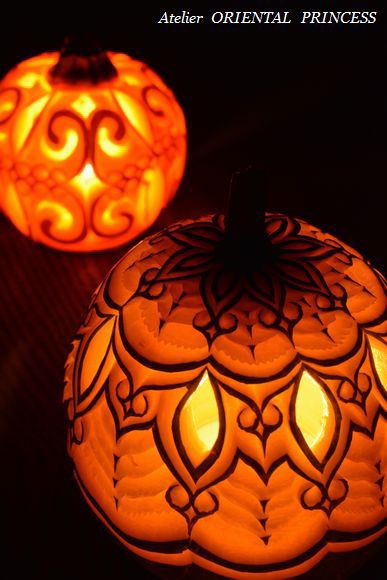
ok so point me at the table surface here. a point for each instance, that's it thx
(324, 168)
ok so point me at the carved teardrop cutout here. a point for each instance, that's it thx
(379, 356)
(314, 416)
(199, 422)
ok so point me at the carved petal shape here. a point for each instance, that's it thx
(95, 356)
(26, 120)
(135, 114)
(314, 418)
(199, 422)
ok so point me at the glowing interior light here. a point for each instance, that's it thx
(114, 140)
(379, 354)
(134, 112)
(28, 80)
(26, 121)
(87, 181)
(6, 106)
(111, 149)
(84, 105)
(151, 193)
(199, 421)
(312, 411)
(68, 148)
(63, 218)
(131, 80)
(107, 217)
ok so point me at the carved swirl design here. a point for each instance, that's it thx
(100, 148)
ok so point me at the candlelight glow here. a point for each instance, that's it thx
(228, 419)
(84, 105)
(199, 421)
(108, 154)
(312, 411)
(87, 181)
(379, 355)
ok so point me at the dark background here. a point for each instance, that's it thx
(305, 103)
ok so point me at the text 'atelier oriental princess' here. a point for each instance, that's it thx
(233, 378)
(92, 147)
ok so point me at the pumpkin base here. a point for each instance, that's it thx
(337, 566)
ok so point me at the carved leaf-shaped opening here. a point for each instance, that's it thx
(314, 419)
(379, 356)
(26, 120)
(135, 114)
(200, 424)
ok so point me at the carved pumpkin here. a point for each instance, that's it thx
(227, 402)
(92, 147)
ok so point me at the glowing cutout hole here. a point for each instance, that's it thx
(84, 105)
(379, 355)
(6, 107)
(56, 213)
(314, 416)
(87, 181)
(199, 422)
(107, 146)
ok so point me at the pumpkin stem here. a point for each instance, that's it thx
(245, 235)
(82, 60)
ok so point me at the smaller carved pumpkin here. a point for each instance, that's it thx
(227, 396)
(92, 147)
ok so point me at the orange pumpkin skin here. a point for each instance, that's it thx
(88, 166)
(235, 420)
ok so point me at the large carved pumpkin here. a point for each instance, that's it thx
(227, 402)
(92, 147)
